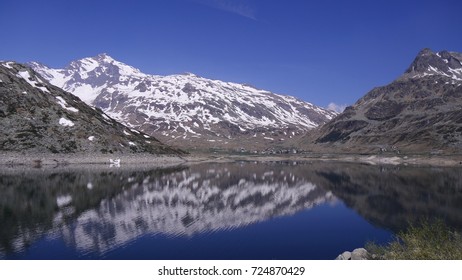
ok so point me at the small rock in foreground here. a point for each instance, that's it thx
(357, 254)
(344, 256)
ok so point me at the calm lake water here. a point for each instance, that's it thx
(242, 210)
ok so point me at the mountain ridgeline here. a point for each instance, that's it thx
(419, 113)
(187, 110)
(37, 117)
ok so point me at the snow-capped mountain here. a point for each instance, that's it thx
(36, 116)
(185, 109)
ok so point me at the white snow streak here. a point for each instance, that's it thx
(26, 76)
(65, 122)
(63, 104)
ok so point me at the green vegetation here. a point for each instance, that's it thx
(427, 241)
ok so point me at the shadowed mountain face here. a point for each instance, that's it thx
(36, 116)
(392, 197)
(187, 110)
(420, 112)
(102, 209)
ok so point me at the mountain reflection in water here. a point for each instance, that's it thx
(97, 210)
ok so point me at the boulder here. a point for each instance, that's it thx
(359, 254)
(344, 256)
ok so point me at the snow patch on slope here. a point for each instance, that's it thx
(65, 122)
(63, 104)
(33, 81)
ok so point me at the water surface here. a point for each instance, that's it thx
(243, 210)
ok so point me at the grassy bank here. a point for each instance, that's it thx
(426, 241)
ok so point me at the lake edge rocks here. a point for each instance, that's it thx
(356, 254)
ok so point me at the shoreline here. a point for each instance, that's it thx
(44, 159)
(39, 159)
(406, 160)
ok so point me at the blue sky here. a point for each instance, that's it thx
(319, 51)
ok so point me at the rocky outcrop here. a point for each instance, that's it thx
(420, 112)
(357, 254)
(37, 117)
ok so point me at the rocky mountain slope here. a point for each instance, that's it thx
(36, 116)
(187, 110)
(420, 112)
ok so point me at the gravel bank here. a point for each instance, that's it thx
(169, 160)
(418, 160)
(65, 159)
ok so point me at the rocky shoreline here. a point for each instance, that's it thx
(356, 254)
(423, 160)
(40, 159)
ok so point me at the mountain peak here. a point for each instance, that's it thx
(429, 63)
(425, 52)
(93, 62)
(104, 57)
(418, 113)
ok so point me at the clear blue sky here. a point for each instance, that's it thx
(320, 51)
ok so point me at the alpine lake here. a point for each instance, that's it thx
(239, 210)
